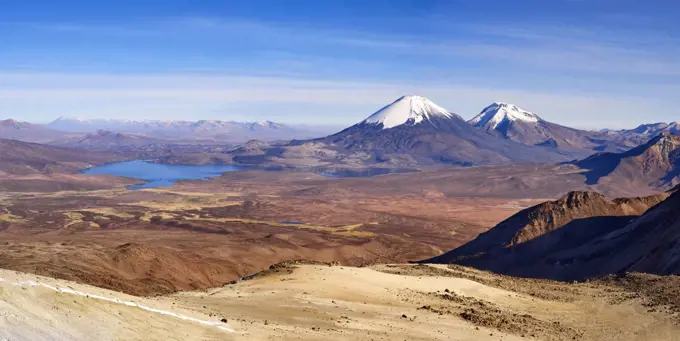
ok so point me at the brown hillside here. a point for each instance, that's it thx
(528, 242)
(655, 163)
(30, 158)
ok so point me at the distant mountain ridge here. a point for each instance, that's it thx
(28, 132)
(108, 140)
(229, 131)
(653, 129)
(92, 125)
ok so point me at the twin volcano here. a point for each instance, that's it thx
(416, 129)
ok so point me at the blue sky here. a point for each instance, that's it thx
(585, 63)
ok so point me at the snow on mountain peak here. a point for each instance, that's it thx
(405, 109)
(499, 112)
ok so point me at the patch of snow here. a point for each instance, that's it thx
(495, 114)
(407, 108)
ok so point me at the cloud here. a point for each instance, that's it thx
(595, 50)
(592, 51)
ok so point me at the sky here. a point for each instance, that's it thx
(582, 63)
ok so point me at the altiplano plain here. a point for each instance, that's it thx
(200, 234)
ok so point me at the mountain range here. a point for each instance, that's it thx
(108, 140)
(228, 131)
(411, 132)
(651, 129)
(92, 125)
(416, 129)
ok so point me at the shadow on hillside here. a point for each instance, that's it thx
(555, 255)
(599, 166)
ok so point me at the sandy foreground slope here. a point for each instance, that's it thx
(319, 302)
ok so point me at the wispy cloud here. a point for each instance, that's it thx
(579, 76)
(596, 50)
(120, 30)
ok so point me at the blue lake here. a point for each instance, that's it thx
(158, 175)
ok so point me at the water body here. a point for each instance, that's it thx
(159, 175)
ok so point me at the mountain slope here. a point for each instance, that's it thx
(648, 244)
(511, 122)
(550, 240)
(655, 163)
(27, 132)
(414, 130)
(30, 158)
(104, 140)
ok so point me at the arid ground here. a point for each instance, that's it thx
(202, 234)
(313, 302)
(178, 261)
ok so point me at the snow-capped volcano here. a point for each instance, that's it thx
(414, 130)
(499, 114)
(510, 122)
(407, 110)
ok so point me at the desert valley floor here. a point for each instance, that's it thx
(187, 254)
(201, 234)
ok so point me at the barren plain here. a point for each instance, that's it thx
(202, 234)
